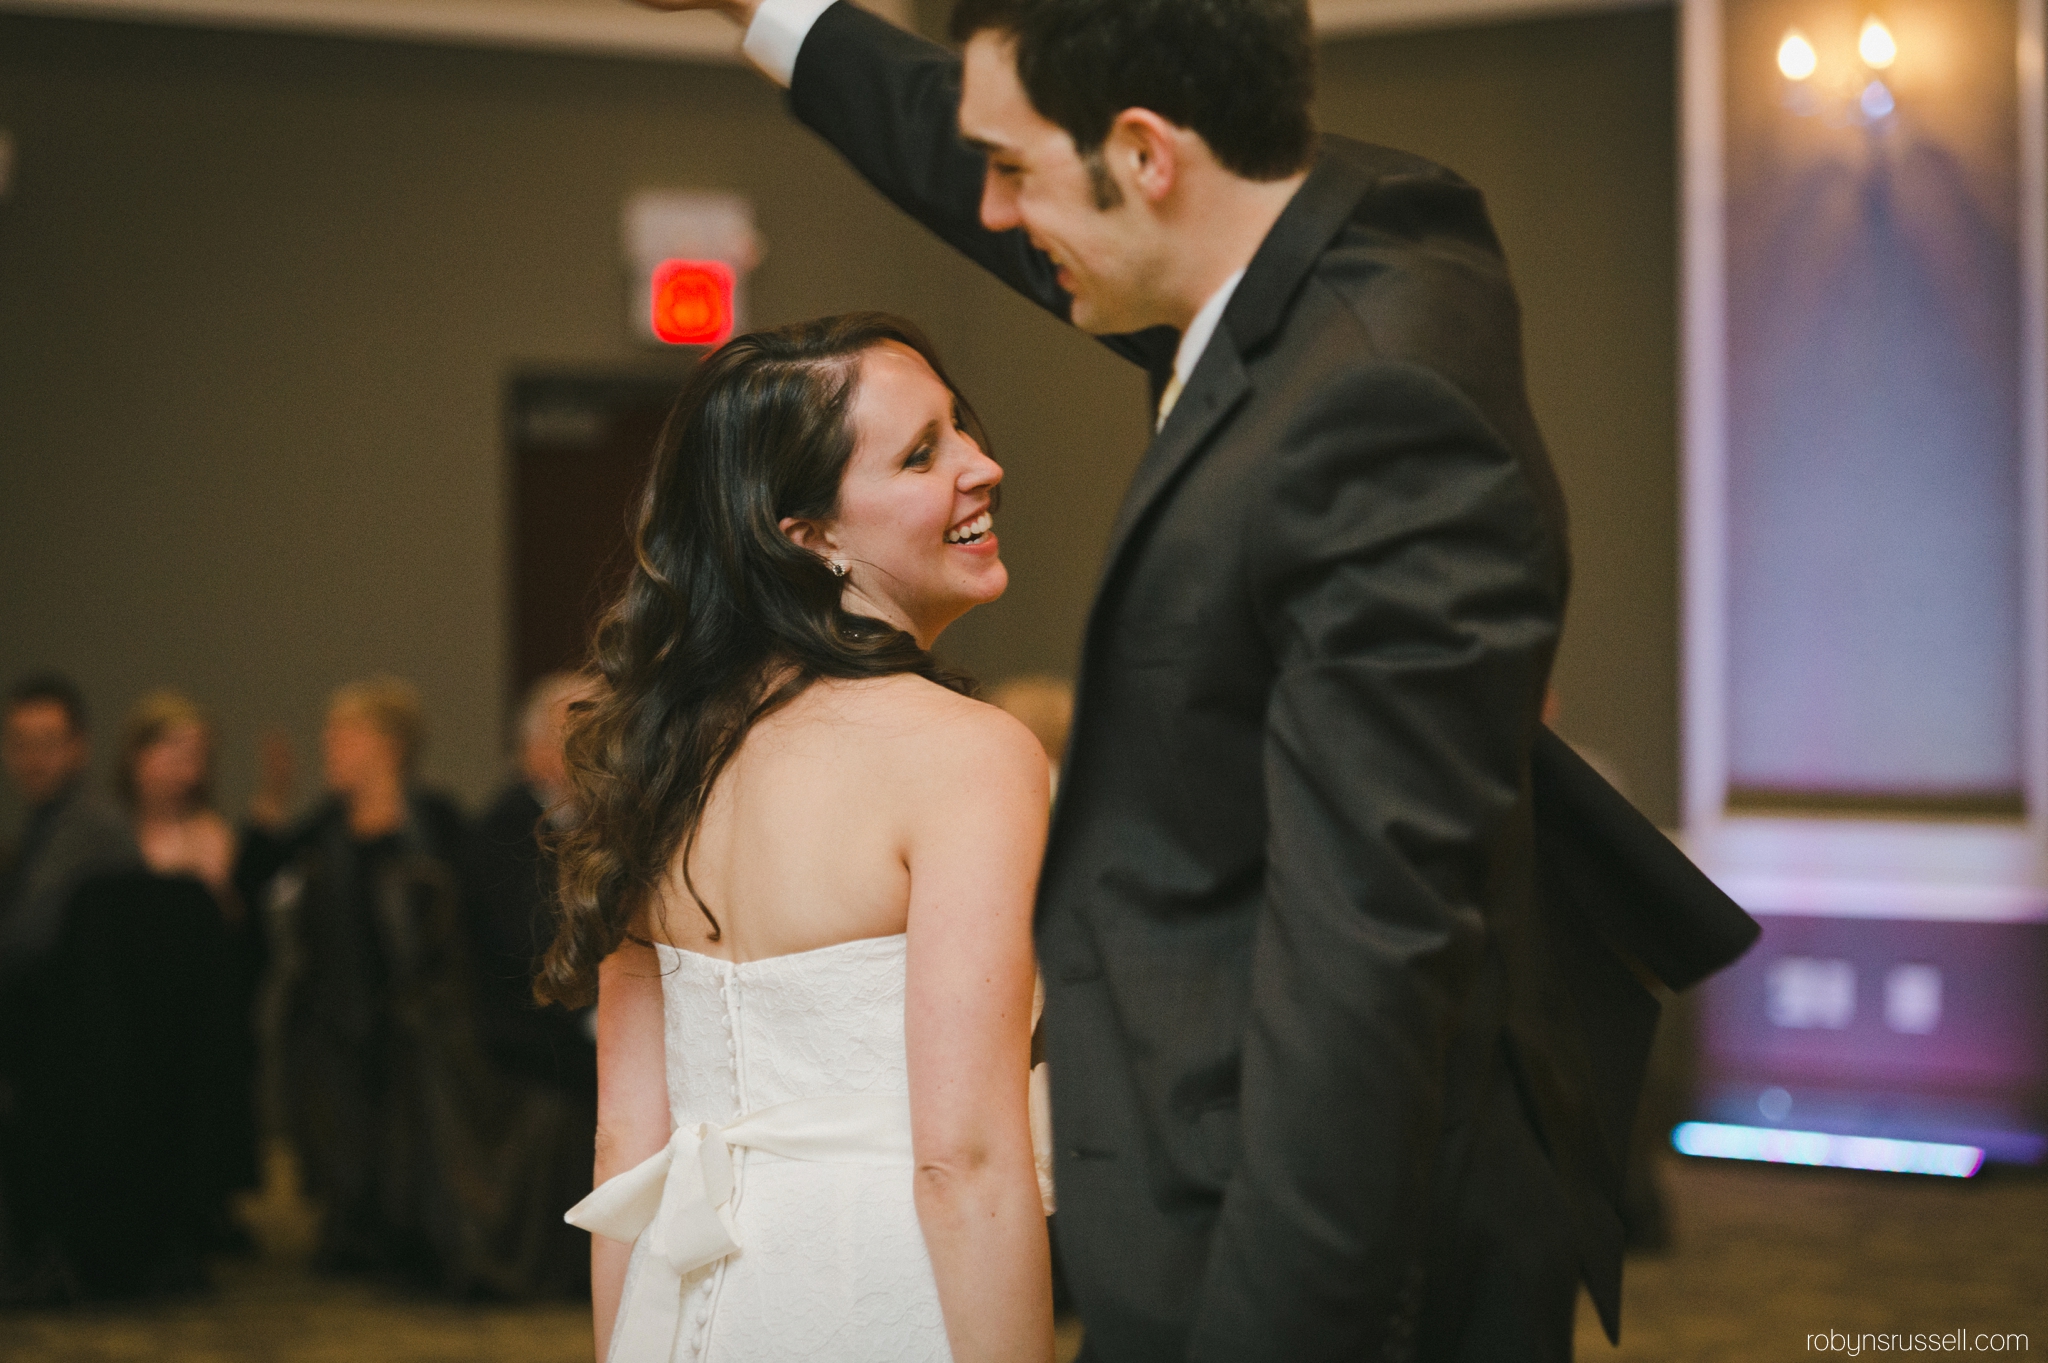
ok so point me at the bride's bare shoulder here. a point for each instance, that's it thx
(937, 731)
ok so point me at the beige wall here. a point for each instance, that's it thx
(259, 296)
(1569, 125)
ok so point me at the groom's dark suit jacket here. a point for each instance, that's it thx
(1341, 947)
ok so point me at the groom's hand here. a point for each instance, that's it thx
(740, 12)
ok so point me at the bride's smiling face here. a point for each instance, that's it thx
(915, 523)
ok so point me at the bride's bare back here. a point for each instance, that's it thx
(865, 809)
(809, 833)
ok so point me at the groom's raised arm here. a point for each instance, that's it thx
(889, 102)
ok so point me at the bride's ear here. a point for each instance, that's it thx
(808, 536)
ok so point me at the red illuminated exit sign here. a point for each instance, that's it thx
(687, 255)
(692, 302)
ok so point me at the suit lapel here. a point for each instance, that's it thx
(1212, 393)
(1312, 219)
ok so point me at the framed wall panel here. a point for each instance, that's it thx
(1866, 557)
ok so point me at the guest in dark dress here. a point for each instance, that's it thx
(135, 1107)
(165, 781)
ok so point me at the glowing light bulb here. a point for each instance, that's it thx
(1876, 45)
(1796, 58)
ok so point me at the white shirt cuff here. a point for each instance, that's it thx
(777, 35)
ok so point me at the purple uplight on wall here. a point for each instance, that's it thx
(1873, 421)
(1851, 1025)
(1874, 469)
(1866, 571)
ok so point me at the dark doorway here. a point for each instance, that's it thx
(580, 449)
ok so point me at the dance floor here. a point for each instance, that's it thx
(1763, 1258)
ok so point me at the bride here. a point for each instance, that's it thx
(800, 884)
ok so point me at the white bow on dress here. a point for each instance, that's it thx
(681, 1196)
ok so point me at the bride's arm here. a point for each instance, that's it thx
(976, 833)
(632, 1103)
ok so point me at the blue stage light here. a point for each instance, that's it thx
(1774, 1145)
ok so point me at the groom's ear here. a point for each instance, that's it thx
(1144, 152)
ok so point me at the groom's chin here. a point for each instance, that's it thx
(1095, 326)
(1098, 318)
(1086, 315)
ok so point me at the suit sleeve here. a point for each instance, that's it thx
(1412, 590)
(889, 102)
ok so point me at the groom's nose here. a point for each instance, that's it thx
(998, 202)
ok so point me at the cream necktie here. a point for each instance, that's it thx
(1167, 397)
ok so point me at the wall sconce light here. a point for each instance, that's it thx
(1872, 102)
(1796, 57)
(1878, 49)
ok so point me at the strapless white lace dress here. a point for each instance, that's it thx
(778, 1223)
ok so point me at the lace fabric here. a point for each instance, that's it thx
(832, 1263)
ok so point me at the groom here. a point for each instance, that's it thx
(1343, 1056)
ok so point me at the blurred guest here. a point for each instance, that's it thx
(134, 1108)
(69, 837)
(511, 885)
(547, 1055)
(359, 866)
(1045, 704)
(70, 834)
(434, 1166)
(166, 781)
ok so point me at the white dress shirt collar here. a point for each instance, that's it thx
(1195, 339)
(1193, 342)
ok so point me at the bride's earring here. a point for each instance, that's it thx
(838, 567)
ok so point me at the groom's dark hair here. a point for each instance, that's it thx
(1241, 73)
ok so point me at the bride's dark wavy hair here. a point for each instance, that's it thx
(722, 620)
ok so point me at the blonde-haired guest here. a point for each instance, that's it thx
(370, 746)
(362, 909)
